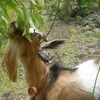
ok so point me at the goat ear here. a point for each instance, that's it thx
(53, 44)
(10, 60)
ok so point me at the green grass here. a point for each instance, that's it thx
(6, 86)
(78, 46)
(97, 35)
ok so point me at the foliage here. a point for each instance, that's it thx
(61, 10)
(69, 8)
(88, 3)
(26, 12)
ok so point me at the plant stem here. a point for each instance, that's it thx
(53, 21)
(95, 84)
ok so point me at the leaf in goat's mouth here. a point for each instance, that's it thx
(27, 35)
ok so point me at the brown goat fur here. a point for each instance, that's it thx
(10, 60)
(67, 85)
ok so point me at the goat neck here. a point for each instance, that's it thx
(34, 69)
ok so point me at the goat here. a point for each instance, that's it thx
(56, 82)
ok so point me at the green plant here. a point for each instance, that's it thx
(68, 7)
(16, 10)
(88, 3)
(63, 10)
(93, 98)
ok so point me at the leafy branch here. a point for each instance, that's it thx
(16, 10)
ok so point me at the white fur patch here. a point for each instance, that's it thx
(87, 73)
(31, 30)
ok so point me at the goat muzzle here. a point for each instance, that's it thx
(34, 32)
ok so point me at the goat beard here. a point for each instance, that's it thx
(10, 60)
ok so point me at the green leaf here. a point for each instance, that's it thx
(10, 13)
(4, 14)
(26, 18)
(15, 7)
(39, 20)
(0, 45)
(18, 22)
(27, 35)
(40, 4)
(3, 26)
(34, 2)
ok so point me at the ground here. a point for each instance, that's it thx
(79, 47)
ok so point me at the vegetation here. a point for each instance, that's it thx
(16, 10)
(71, 8)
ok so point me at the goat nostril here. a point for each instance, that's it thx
(39, 36)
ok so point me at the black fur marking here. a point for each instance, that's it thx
(56, 69)
(18, 31)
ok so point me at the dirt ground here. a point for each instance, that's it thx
(61, 30)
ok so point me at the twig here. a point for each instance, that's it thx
(95, 84)
(53, 21)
